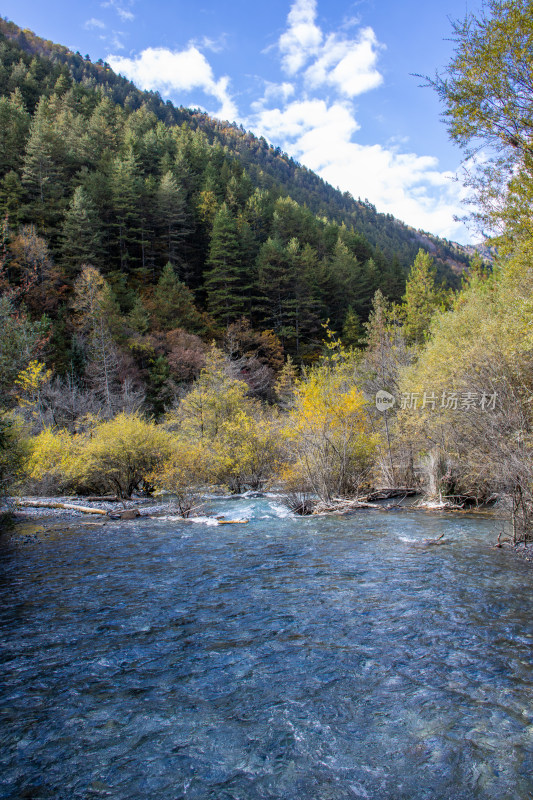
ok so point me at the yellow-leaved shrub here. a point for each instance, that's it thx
(121, 454)
(187, 469)
(53, 461)
(329, 436)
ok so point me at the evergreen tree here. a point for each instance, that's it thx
(11, 193)
(159, 392)
(125, 190)
(173, 304)
(82, 240)
(103, 130)
(224, 281)
(43, 169)
(421, 298)
(352, 330)
(274, 282)
(349, 284)
(171, 218)
(138, 317)
(14, 126)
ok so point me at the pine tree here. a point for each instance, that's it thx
(103, 130)
(274, 282)
(224, 281)
(159, 392)
(14, 126)
(347, 282)
(171, 218)
(11, 193)
(42, 175)
(301, 301)
(138, 317)
(421, 298)
(173, 304)
(352, 330)
(125, 186)
(82, 239)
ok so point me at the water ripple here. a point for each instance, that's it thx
(291, 658)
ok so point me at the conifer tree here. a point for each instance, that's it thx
(82, 240)
(14, 126)
(224, 280)
(173, 304)
(125, 187)
(171, 217)
(138, 317)
(421, 298)
(352, 330)
(274, 283)
(43, 168)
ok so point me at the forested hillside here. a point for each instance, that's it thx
(268, 166)
(94, 172)
(182, 305)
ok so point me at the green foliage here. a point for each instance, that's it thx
(19, 342)
(12, 451)
(422, 298)
(215, 398)
(173, 304)
(82, 237)
(224, 280)
(486, 93)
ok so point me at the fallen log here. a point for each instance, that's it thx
(105, 498)
(387, 494)
(338, 505)
(65, 506)
(233, 521)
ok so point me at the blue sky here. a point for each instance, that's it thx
(331, 83)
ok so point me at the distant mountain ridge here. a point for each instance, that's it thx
(266, 165)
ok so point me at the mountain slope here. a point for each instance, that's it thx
(266, 165)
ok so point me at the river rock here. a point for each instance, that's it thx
(129, 513)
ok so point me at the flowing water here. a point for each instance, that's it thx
(318, 658)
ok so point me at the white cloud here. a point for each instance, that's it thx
(114, 40)
(169, 71)
(409, 186)
(273, 91)
(94, 23)
(303, 120)
(320, 131)
(303, 37)
(125, 14)
(214, 45)
(347, 64)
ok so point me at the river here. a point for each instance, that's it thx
(300, 659)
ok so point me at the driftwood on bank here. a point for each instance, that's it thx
(65, 506)
(387, 494)
(339, 505)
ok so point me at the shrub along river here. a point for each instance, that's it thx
(311, 658)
